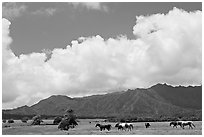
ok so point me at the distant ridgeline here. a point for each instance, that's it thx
(161, 102)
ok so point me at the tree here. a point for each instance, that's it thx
(36, 120)
(68, 121)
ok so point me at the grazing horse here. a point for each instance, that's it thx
(103, 127)
(147, 125)
(174, 123)
(120, 127)
(187, 123)
(129, 126)
(180, 124)
(125, 126)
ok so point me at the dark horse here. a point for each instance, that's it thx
(103, 127)
(147, 125)
(120, 127)
(176, 123)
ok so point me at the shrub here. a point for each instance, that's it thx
(24, 119)
(10, 121)
(57, 120)
(4, 120)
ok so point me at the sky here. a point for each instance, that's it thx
(80, 49)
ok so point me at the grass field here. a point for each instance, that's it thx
(86, 128)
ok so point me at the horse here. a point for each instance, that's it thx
(174, 123)
(120, 127)
(147, 125)
(103, 127)
(187, 123)
(129, 126)
(125, 126)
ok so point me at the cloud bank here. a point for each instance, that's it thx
(90, 5)
(45, 12)
(167, 49)
(12, 10)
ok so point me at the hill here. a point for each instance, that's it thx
(159, 100)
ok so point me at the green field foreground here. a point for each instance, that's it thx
(87, 128)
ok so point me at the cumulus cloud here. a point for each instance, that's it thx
(12, 10)
(45, 12)
(167, 49)
(90, 5)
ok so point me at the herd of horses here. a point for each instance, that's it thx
(129, 126)
(120, 126)
(65, 125)
(182, 124)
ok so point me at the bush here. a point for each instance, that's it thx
(37, 120)
(4, 120)
(57, 120)
(24, 119)
(10, 121)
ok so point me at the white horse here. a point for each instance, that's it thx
(186, 123)
(125, 126)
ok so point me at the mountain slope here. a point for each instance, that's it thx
(24, 110)
(157, 100)
(187, 97)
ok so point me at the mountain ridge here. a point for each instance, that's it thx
(160, 99)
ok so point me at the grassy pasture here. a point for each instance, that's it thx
(86, 128)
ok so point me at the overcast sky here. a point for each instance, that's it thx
(80, 49)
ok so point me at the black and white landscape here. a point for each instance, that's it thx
(129, 62)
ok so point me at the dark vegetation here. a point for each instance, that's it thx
(10, 121)
(24, 119)
(4, 120)
(19, 117)
(154, 119)
(37, 120)
(57, 120)
(117, 119)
